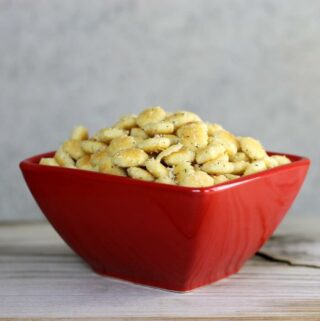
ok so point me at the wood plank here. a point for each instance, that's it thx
(41, 279)
(295, 243)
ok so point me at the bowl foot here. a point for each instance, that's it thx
(160, 285)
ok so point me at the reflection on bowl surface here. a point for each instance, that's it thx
(172, 237)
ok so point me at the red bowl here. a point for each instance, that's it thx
(172, 237)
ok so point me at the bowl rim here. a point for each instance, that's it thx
(32, 164)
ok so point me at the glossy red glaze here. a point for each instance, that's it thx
(172, 237)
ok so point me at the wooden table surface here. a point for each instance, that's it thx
(41, 279)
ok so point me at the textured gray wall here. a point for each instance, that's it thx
(253, 66)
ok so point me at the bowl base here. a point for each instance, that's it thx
(160, 286)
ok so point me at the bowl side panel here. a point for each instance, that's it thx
(129, 231)
(238, 220)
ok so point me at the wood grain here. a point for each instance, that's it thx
(41, 279)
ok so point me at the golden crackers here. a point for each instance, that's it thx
(169, 148)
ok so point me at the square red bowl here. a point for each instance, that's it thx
(171, 237)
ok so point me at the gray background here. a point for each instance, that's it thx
(253, 66)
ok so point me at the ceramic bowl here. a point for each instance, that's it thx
(172, 237)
